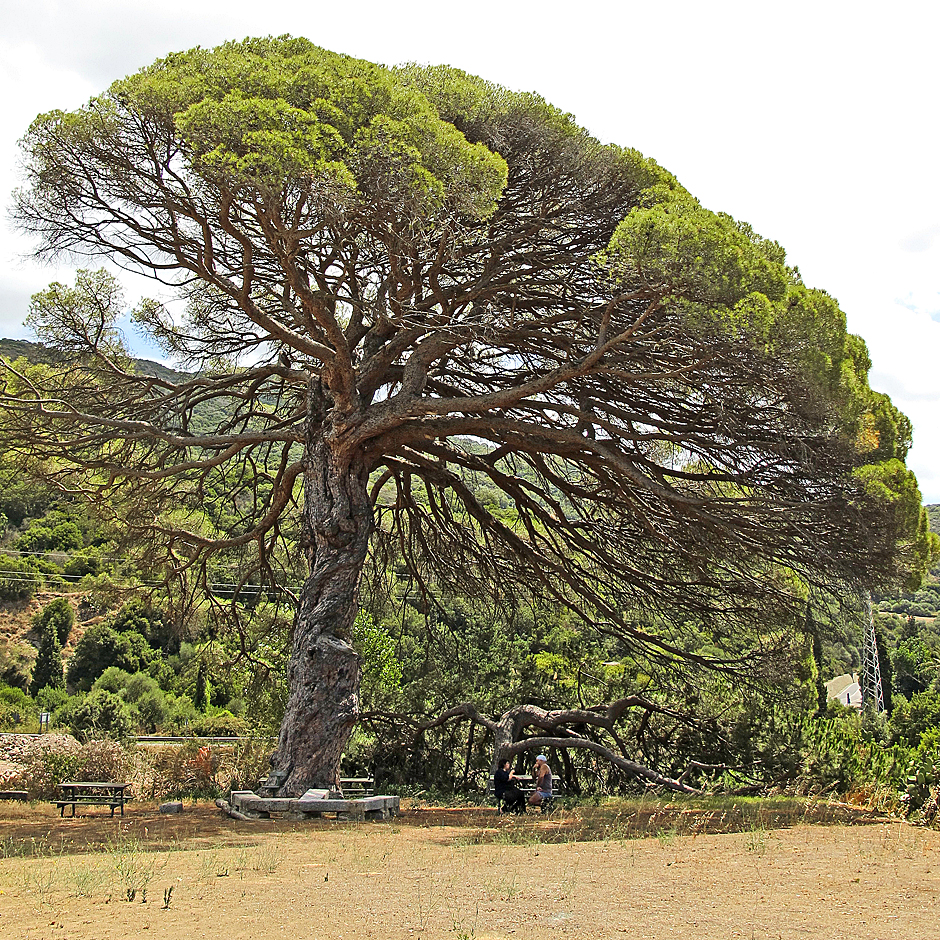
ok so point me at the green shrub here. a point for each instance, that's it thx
(58, 616)
(910, 720)
(150, 622)
(181, 714)
(150, 711)
(112, 680)
(20, 499)
(18, 578)
(101, 647)
(148, 702)
(99, 714)
(223, 724)
(37, 538)
(50, 699)
(16, 663)
(67, 537)
(44, 770)
(78, 566)
(17, 709)
(45, 537)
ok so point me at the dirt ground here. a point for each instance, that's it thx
(461, 874)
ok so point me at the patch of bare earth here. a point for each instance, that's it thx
(457, 874)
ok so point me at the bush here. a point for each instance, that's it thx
(37, 538)
(101, 647)
(112, 680)
(78, 566)
(58, 616)
(189, 770)
(181, 714)
(52, 760)
(150, 711)
(18, 578)
(910, 721)
(50, 699)
(16, 663)
(222, 725)
(16, 709)
(150, 622)
(148, 702)
(43, 537)
(57, 758)
(21, 499)
(105, 760)
(99, 714)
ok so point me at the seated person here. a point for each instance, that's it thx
(543, 781)
(508, 796)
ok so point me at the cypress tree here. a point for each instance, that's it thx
(48, 668)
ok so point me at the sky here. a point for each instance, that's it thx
(813, 121)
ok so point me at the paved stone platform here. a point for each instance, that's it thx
(314, 804)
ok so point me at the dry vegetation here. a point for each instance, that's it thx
(758, 870)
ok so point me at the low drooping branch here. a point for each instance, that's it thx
(631, 767)
(508, 728)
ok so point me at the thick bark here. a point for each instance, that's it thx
(323, 674)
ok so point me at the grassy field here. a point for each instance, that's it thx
(725, 868)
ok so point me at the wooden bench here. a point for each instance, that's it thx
(351, 786)
(14, 795)
(92, 793)
(357, 786)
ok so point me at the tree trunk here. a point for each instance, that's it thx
(323, 674)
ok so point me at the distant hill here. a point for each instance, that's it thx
(933, 514)
(36, 352)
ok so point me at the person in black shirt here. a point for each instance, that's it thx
(509, 797)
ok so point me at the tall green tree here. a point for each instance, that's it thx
(47, 670)
(57, 616)
(400, 280)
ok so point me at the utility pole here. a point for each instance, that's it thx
(872, 694)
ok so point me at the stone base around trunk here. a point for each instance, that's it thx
(313, 805)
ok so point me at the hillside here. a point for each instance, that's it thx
(12, 349)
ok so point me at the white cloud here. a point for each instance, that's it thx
(811, 124)
(922, 240)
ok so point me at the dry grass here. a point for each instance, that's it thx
(650, 868)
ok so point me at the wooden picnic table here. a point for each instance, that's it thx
(92, 793)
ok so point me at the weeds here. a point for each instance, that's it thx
(666, 836)
(460, 928)
(40, 882)
(84, 879)
(134, 867)
(21, 848)
(503, 888)
(269, 859)
(756, 840)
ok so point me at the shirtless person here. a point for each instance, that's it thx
(543, 781)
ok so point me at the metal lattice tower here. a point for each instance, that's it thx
(872, 694)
